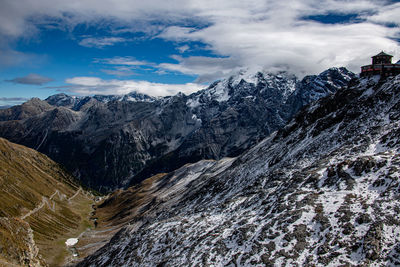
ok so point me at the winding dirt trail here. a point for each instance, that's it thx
(77, 192)
(46, 200)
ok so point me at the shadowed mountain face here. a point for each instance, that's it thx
(40, 207)
(322, 191)
(114, 141)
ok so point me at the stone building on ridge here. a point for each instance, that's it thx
(381, 65)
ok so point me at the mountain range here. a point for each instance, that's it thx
(110, 142)
(321, 191)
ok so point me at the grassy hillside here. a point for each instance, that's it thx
(38, 199)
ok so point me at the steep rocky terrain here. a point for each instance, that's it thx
(113, 141)
(322, 191)
(18, 247)
(41, 206)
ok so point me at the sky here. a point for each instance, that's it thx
(157, 47)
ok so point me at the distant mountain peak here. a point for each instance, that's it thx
(77, 102)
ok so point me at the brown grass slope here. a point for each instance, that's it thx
(37, 198)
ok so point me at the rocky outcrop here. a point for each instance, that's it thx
(17, 246)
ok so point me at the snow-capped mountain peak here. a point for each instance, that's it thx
(247, 75)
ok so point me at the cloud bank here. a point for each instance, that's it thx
(95, 85)
(301, 36)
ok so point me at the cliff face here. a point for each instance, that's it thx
(40, 207)
(113, 141)
(323, 191)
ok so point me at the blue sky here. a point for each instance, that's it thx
(163, 47)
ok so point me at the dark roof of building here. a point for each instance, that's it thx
(382, 54)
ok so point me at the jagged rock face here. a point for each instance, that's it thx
(17, 247)
(113, 141)
(322, 191)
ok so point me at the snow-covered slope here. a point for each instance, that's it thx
(323, 191)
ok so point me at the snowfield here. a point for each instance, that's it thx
(71, 242)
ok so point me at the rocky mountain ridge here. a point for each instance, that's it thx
(112, 141)
(322, 191)
(76, 102)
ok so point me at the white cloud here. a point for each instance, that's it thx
(119, 71)
(207, 68)
(95, 85)
(182, 49)
(123, 66)
(101, 42)
(262, 33)
(278, 37)
(389, 15)
(123, 61)
(177, 33)
(19, 17)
